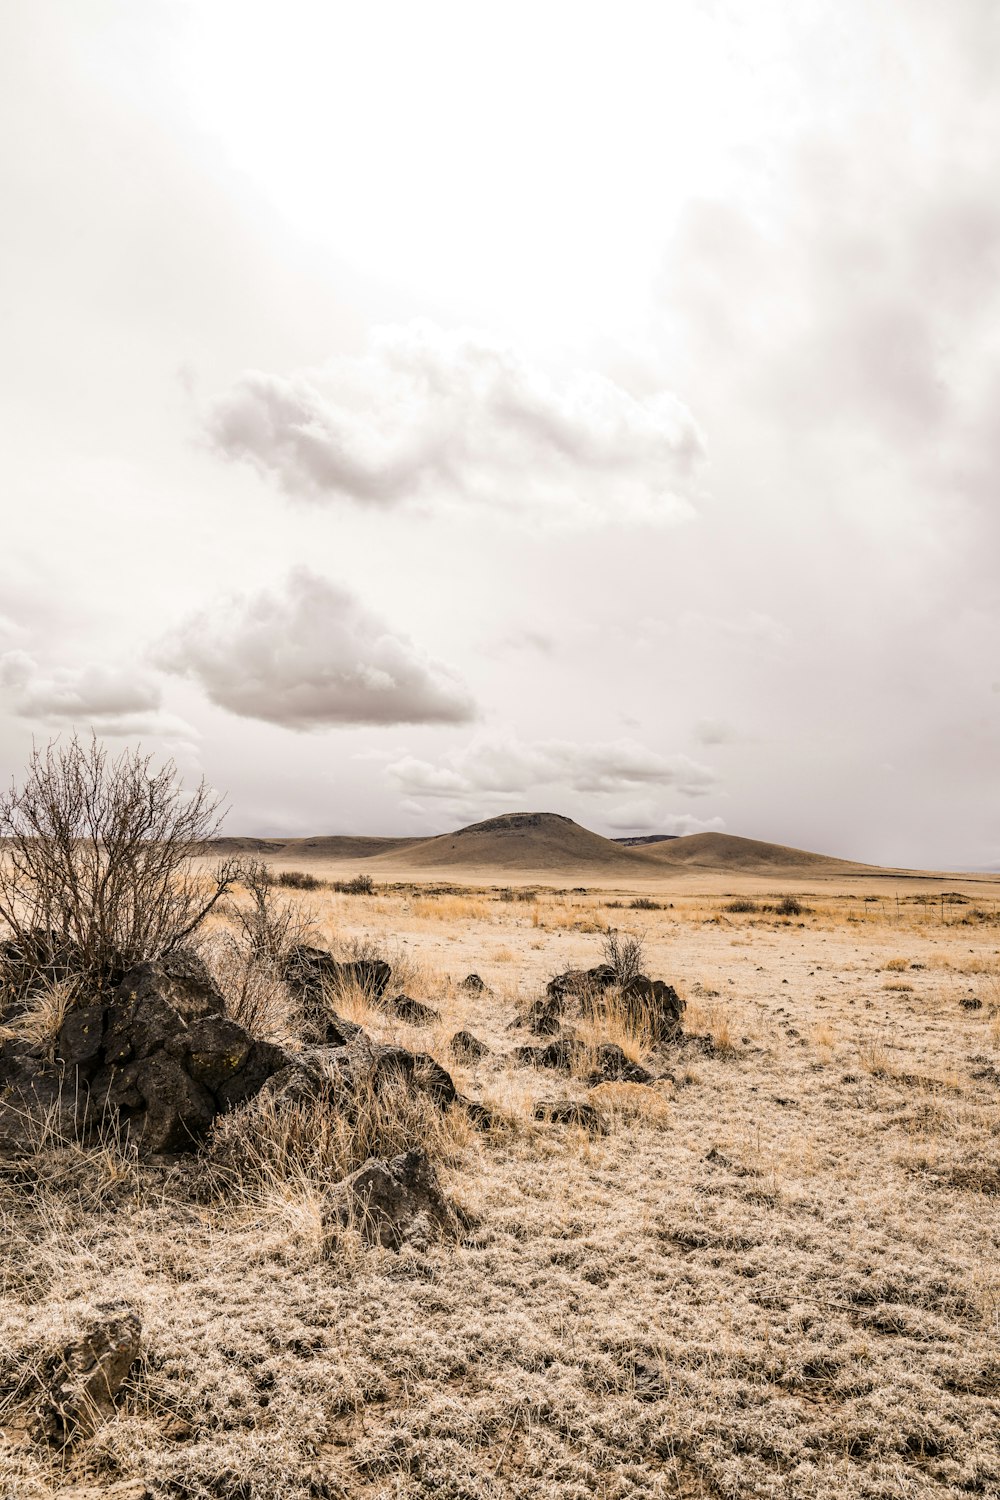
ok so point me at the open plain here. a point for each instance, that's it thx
(772, 1270)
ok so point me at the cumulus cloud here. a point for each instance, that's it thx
(111, 700)
(433, 416)
(508, 766)
(309, 657)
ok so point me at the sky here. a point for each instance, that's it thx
(418, 412)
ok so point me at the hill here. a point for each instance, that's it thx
(543, 842)
(727, 851)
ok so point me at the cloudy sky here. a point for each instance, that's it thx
(419, 411)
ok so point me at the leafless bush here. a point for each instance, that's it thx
(268, 925)
(97, 860)
(247, 960)
(626, 954)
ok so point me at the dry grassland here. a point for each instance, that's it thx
(776, 1274)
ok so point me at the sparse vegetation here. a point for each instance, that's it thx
(770, 1271)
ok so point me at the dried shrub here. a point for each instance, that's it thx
(296, 880)
(98, 861)
(358, 885)
(626, 954)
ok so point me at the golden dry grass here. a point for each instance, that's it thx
(776, 1274)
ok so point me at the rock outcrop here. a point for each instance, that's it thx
(79, 1387)
(392, 1203)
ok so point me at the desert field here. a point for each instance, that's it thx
(772, 1270)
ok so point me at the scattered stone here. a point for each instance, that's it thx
(315, 969)
(545, 1017)
(82, 1386)
(580, 984)
(468, 1047)
(395, 1202)
(473, 985)
(651, 1004)
(568, 1053)
(614, 1067)
(415, 1012)
(316, 979)
(562, 1054)
(571, 1112)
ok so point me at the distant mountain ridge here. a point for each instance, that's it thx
(549, 844)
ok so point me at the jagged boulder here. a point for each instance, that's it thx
(395, 1202)
(35, 1100)
(159, 1056)
(580, 984)
(316, 979)
(80, 1384)
(311, 969)
(651, 1004)
(414, 1012)
(468, 1047)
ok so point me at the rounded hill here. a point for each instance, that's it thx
(522, 841)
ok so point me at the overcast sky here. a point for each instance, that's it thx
(414, 412)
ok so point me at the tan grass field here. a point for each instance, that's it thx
(777, 1274)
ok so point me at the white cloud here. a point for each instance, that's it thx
(508, 766)
(110, 700)
(311, 657)
(430, 415)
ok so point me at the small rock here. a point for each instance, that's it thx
(468, 1047)
(395, 1202)
(89, 1372)
(415, 1012)
(571, 1112)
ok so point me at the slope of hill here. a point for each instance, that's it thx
(727, 851)
(521, 841)
(323, 846)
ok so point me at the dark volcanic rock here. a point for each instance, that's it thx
(651, 1004)
(415, 1012)
(395, 1202)
(612, 1066)
(581, 984)
(316, 978)
(560, 1054)
(656, 1006)
(162, 1059)
(310, 969)
(545, 1017)
(80, 1390)
(34, 1099)
(567, 1053)
(468, 1047)
(571, 1112)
